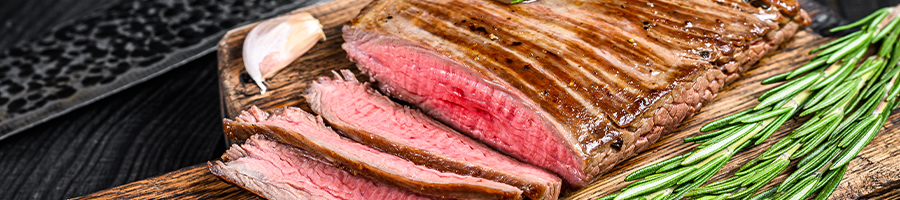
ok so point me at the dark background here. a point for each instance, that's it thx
(167, 123)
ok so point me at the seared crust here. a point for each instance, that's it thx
(688, 98)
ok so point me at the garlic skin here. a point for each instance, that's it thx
(273, 44)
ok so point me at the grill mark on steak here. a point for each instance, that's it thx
(692, 46)
(278, 171)
(555, 80)
(554, 67)
(458, 35)
(364, 115)
(550, 88)
(298, 128)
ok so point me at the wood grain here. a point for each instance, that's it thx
(874, 174)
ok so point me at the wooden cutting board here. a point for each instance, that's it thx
(874, 174)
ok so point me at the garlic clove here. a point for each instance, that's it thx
(273, 44)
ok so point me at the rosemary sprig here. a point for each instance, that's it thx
(816, 170)
(833, 88)
(824, 141)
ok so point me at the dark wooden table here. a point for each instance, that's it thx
(159, 126)
(162, 125)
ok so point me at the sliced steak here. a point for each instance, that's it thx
(278, 171)
(568, 85)
(298, 128)
(365, 115)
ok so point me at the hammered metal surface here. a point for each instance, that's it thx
(118, 46)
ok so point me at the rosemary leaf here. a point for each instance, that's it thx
(723, 121)
(831, 184)
(646, 171)
(718, 146)
(710, 135)
(764, 195)
(851, 47)
(650, 187)
(860, 22)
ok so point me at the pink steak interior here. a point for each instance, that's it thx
(457, 96)
(290, 172)
(353, 104)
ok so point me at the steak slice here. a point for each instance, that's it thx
(361, 113)
(568, 85)
(278, 171)
(296, 127)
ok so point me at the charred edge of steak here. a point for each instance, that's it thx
(295, 127)
(418, 138)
